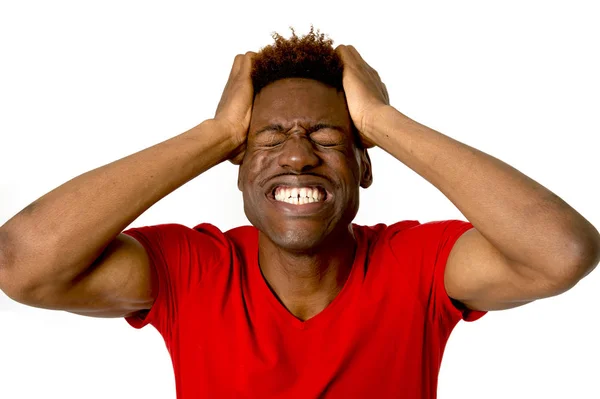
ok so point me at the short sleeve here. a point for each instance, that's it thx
(427, 247)
(447, 233)
(179, 256)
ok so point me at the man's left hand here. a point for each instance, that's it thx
(365, 93)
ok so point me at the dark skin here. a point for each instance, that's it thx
(526, 243)
(301, 134)
(67, 252)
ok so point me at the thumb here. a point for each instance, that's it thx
(238, 156)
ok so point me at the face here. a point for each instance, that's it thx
(301, 173)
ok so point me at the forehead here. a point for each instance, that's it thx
(288, 101)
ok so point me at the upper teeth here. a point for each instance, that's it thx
(299, 195)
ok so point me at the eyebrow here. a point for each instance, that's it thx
(279, 128)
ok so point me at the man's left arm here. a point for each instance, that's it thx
(526, 244)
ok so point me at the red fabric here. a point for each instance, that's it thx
(383, 336)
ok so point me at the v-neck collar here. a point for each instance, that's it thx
(263, 289)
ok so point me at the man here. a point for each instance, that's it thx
(303, 303)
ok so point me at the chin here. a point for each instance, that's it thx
(302, 234)
(297, 240)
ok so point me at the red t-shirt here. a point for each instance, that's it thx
(383, 335)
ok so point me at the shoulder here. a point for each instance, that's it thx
(416, 253)
(433, 233)
(176, 241)
(412, 244)
(239, 240)
(381, 234)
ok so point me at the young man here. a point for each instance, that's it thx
(303, 303)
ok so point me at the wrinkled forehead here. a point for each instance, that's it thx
(303, 101)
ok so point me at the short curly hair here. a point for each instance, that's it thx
(311, 56)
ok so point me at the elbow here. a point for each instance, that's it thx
(7, 261)
(588, 255)
(584, 259)
(15, 279)
(28, 272)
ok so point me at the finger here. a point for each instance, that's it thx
(239, 156)
(343, 52)
(360, 59)
(247, 61)
(235, 67)
(385, 91)
(339, 48)
(355, 53)
(366, 143)
(351, 56)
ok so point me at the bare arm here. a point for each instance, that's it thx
(65, 250)
(62, 234)
(526, 244)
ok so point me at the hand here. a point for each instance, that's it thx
(366, 94)
(235, 107)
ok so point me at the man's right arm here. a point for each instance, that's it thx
(66, 251)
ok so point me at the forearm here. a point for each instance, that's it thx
(525, 221)
(64, 231)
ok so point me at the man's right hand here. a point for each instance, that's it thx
(67, 251)
(235, 107)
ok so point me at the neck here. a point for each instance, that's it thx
(306, 282)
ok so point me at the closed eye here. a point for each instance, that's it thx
(273, 143)
(270, 139)
(327, 136)
(322, 134)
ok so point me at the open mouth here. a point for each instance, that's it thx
(299, 195)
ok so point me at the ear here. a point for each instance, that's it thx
(366, 178)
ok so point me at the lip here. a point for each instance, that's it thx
(300, 181)
(312, 209)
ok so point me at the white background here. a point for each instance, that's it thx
(83, 84)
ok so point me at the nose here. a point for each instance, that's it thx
(297, 153)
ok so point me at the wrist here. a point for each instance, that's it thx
(379, 121)
(219, 135)
(236, 133)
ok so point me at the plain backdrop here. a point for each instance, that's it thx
(85, 83)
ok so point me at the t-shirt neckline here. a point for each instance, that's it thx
(326, 314)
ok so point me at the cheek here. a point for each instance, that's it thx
(254, 167)
(349, 167)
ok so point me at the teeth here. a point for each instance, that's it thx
(298, 195)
